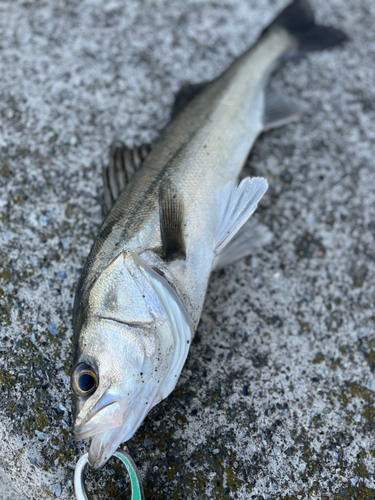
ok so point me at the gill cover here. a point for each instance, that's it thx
(129, 291)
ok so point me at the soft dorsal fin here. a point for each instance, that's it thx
(185, 95)
(235, 205)
(172, 220)
(280, 110)
(123, 163)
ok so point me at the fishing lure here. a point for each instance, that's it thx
(135, 480)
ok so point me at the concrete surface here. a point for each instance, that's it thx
(276, 399)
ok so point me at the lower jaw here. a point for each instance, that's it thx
(102, 447)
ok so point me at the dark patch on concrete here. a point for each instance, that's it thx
(308, 247)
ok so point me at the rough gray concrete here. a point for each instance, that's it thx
(7, 491)
(276, 399)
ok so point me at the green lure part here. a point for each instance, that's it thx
(135, 480)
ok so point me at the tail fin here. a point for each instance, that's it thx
(298, 19)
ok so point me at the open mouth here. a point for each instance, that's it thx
(106, 419)
(109, 425)
(103, 446)
(108, 429)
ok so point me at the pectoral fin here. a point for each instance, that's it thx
(171, 214)
(235, 205)
(280, 109)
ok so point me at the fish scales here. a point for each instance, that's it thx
(202, 149)
(138, 302)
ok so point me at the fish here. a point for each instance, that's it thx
(176, 213)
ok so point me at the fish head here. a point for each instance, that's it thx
(130, 353)
(114, 385)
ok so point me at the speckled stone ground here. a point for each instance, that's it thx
(276, 399)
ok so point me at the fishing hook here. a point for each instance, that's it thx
(135, 480)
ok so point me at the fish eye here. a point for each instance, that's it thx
(84, 380)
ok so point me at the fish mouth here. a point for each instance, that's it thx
(110, 423)
(102, 421)
(103, 446)
(107, 428)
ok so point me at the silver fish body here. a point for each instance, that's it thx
(135, 310)
(200, 152)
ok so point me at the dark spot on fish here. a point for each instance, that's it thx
(141, 374)
(188, 341)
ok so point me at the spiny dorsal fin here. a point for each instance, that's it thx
(123, 163)
(172, 220)
(235, 205)
(249, 238)
(280, 110)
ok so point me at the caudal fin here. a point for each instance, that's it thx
(298, 19)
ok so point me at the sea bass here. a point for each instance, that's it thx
(182, 214)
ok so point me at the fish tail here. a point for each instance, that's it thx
(298, 19)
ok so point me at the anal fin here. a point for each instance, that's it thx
(123, 163)
(235, 206)
(172, 220)
(280, 110)
(249, 238)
